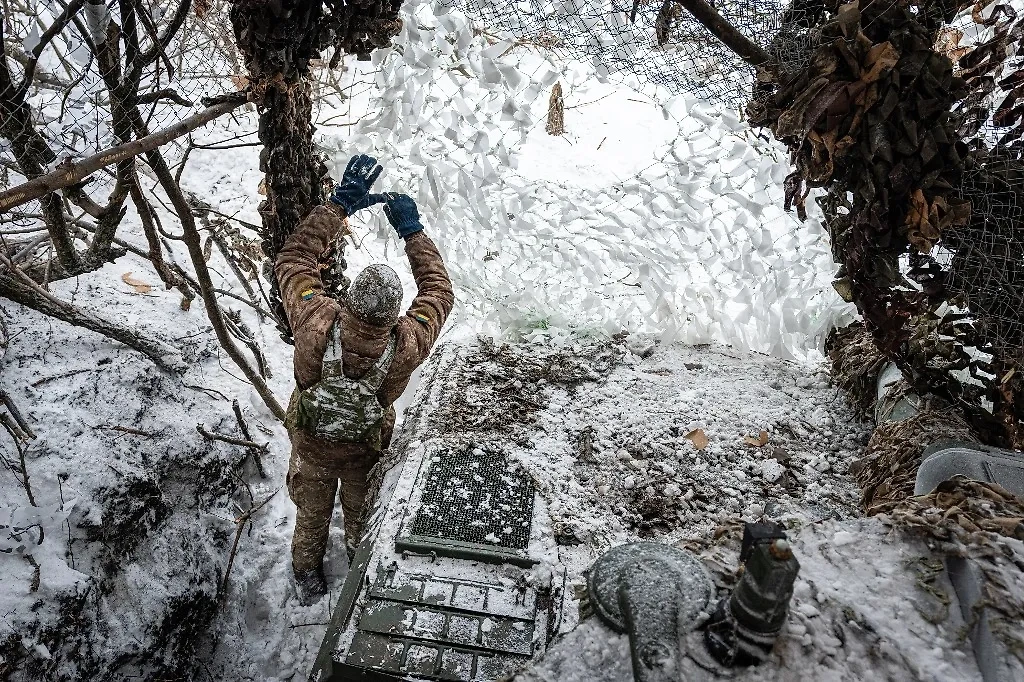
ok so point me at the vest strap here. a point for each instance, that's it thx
(334, 365)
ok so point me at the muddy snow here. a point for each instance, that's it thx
(624, 440)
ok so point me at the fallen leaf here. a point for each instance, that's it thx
(698, 438)
(759, 442)
(139, 286)
(920, 230)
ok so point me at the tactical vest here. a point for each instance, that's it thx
(343, 410)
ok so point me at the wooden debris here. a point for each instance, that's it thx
(556, 112)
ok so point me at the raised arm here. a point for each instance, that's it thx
(434, 297)
(297, 267)
(297, 270)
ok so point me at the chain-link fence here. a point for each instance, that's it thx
(80, 77)
(181, 60)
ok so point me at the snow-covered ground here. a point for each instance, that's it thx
(150, 518)
(652, 214)
(614, 450)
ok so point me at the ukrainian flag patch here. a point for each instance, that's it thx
(308, 294)
(420, 317)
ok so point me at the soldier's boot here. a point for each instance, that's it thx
(310, 585)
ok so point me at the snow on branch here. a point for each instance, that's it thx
(71, 173)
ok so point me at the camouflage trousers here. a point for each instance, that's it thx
(314, 471)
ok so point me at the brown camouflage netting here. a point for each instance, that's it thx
(278, 40)
(962, 510)
(888, 469)
(856, 364)
(921, 163)
(983, 522)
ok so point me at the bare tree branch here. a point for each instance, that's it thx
(58, 25)
(130, 33)
(33, 154)
(131, 248)
(20, 288)
(40, 77)
(213, 435)
(244, 428)
(239, 330)
(121, 93)
(160, 45)
(203, 210)
(260, 310)
(73, 172)
(193, 241)
(14, 428)
(76, 195)
(18, 418)
(744, 47)
(164, 93)
(155, 255)
(240, 522)
(153, 32)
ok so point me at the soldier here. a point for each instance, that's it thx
(353, 359)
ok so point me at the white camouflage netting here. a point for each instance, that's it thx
(678, 228)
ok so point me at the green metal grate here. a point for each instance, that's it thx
(476, 505)
(443, 628)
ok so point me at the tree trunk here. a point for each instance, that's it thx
(277, 42)
(277, 50)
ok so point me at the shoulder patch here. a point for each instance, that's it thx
(420, 317)
(308, 294)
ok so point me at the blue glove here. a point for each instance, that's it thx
(402, 214)
(353, 192)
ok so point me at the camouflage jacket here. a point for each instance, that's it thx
(311, 313)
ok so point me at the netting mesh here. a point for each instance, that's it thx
(70, 96)
(986, 270)
(906, 116)
(903, 118)
(985, 273)
(656, 41)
